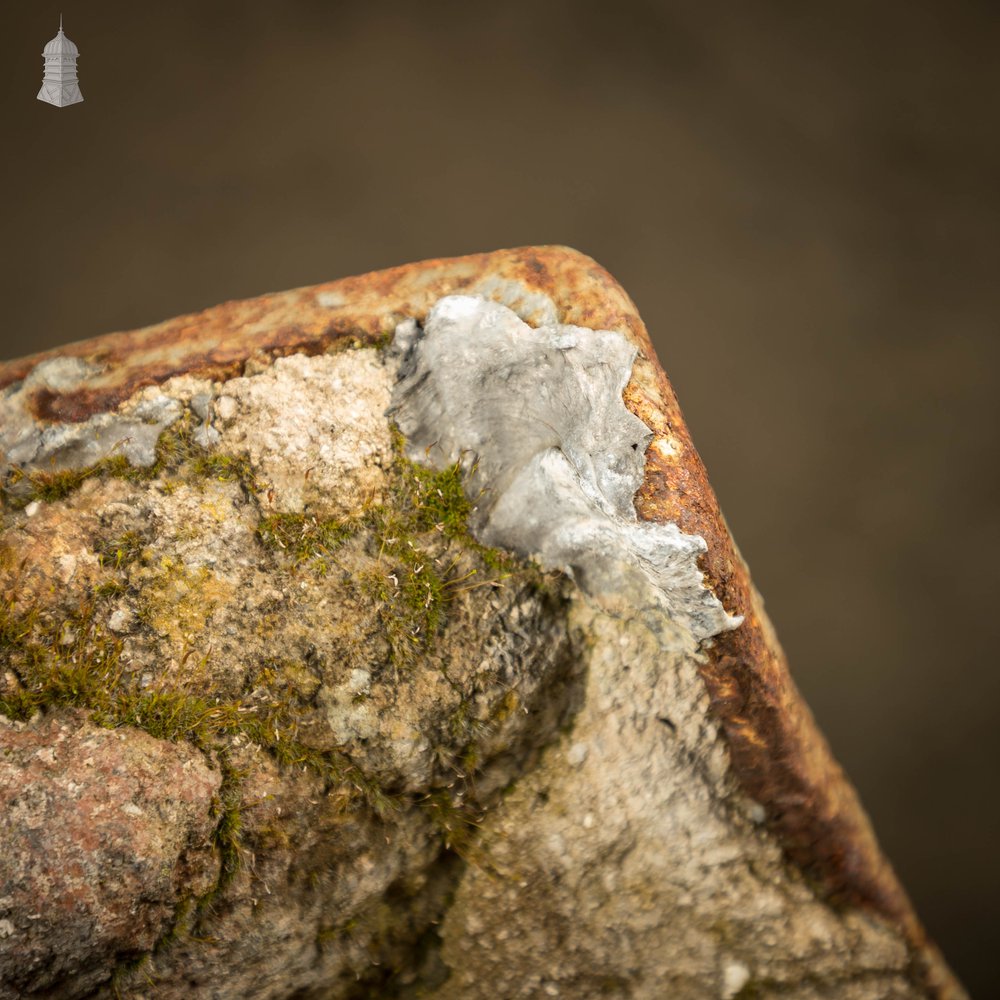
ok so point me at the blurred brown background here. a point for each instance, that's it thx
(802, 199)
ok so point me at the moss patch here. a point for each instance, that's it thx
(420, 554)
(410, 556)
(419, 536)
(458, 818)
(226, 469)
(120, 552)
(304, 537)
(76, 662)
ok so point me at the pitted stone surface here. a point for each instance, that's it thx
(315, 429)
(613, 849)
(104, 832)
(167, 576)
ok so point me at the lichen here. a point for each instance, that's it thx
(177, 602)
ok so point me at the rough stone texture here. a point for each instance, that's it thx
(366, 696)
(103, 833)
(441, 771)
(635, 868)
(618, 847)
(311, 453)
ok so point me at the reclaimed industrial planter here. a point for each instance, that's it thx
(664, 818)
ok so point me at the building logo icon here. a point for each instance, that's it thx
(59, 85)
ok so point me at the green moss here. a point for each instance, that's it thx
(110, 589)
(466, 731)
(464, 727)
(416, 573)
(122, 551)
(165, 714)
(176, 451)
(420, 555)
(119, 467)
(347, 929)
(75, 662)
(409, 601)
(304, 536)
(229, 828)
(72, 663)
(128, 972)
(179, 927)
(459, 819)
(384, 340)
(51, 486)
(136, 971)
(15, 625)
(438, 499)
(421, 529)
(174, 446)
(226, 469)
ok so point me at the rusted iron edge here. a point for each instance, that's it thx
(778, 755)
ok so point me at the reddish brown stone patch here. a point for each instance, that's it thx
(102, 830)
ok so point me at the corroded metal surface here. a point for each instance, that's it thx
(778, 755)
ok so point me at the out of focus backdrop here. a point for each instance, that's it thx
(803, 199)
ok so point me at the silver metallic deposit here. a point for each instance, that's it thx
(554, 458)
